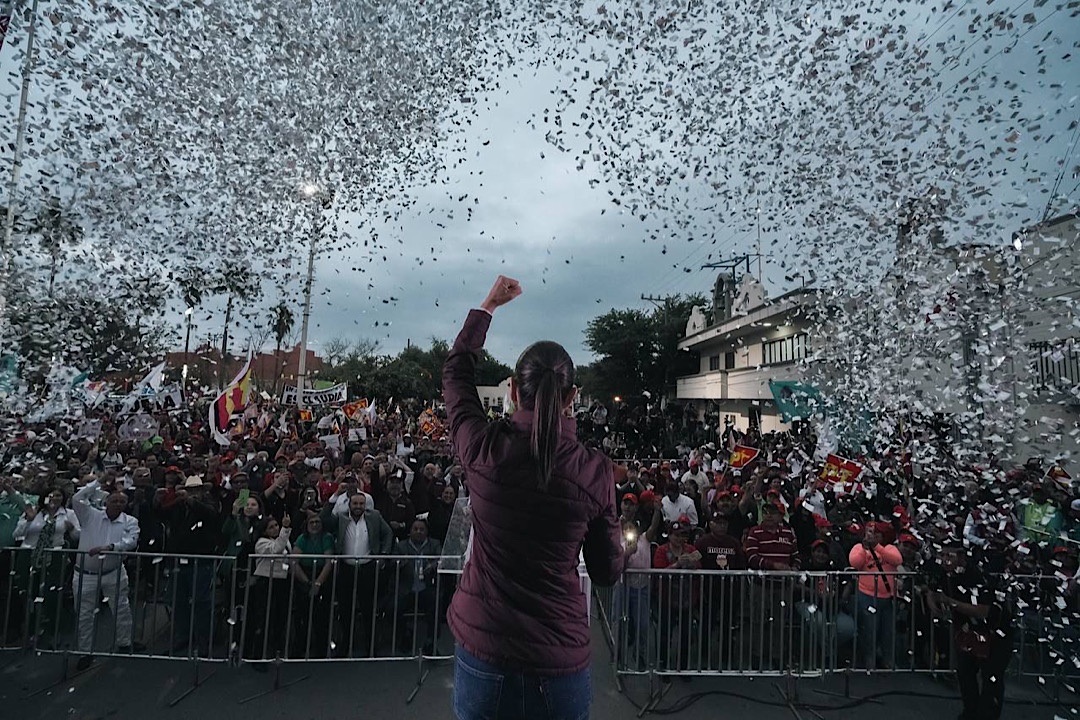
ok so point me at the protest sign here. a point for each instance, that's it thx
(330, 396)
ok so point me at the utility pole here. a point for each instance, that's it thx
(662, 303)
(20, 133)
(759, 240)
(7, 250)
(324, 200)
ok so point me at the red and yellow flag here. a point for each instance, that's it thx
(841, 471)
(230, 402)
(352, 410)
(742, 455)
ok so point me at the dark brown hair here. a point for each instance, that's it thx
(544, 377)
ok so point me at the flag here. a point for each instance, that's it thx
(94, 392)
(1058, 475)
(742, 456)
(305, 416)
(841, 472)
(147, 387)
(370, 413)
(352, 410)
(231, 401)
(795, 400)
(8, 373)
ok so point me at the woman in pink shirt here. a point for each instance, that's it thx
(875, 602)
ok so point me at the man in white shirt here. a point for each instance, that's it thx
(100, 574)
(405, 447)
(697, 476)
(360, 532)
(675, 504)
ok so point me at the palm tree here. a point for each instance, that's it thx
(282, 320)
(57, 228)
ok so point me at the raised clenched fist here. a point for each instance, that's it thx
(503, 291)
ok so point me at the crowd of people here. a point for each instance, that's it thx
(944, 567)
(948, 547)
(285, 488)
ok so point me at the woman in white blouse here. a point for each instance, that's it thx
(38, 571)
(269, 598)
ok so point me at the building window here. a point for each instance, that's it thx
(729, 360)
(714, 362)
(788, 349)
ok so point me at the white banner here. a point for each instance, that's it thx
(138, 427)
(89, 429)
(170, 397)
(330, 396)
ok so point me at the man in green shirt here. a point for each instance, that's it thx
(1040, 517)
(12, 505)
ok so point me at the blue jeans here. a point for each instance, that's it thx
(483, 691)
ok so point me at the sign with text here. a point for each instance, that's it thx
(336, 395)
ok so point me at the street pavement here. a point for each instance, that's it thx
(125, 688)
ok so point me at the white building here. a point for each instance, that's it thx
(990, 336)
(495, 396)
(762, 340)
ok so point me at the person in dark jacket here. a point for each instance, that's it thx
(538, 498)
(194, 528)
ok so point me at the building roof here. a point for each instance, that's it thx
(770, 308)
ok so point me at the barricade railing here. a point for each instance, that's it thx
(810, 624)
(254, 609)
(283, 609)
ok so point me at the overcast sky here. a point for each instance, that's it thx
(552, 226)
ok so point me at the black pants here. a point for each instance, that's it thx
(269, 618)
(354, 596)
(312, 616)
(982, 682)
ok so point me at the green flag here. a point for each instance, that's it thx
(8, 374)
(795, 400)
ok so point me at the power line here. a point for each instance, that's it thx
(961, 54)
(943, 22)
(1061, 173)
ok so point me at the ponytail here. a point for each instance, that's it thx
(546, 427)
(545, 380)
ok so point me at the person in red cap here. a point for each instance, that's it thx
(771, 546)
(678, 594)
(875, 606)
(720, 551)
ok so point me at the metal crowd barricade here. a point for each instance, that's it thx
(222, 609)
(810, 624)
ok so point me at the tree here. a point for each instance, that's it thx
(638, 350)
(118, 340)
(57, 229)
(334, 350)
(236, 280)
(281, 320)
(490, 371)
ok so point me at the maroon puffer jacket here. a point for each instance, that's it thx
(519, 604)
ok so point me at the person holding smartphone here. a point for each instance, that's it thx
(538, 498)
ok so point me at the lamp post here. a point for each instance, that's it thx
(187, 344)
(309, 191)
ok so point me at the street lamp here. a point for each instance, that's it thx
(187, 345)
(618, 399)
(309, 191)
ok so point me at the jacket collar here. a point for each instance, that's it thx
(523, 420)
